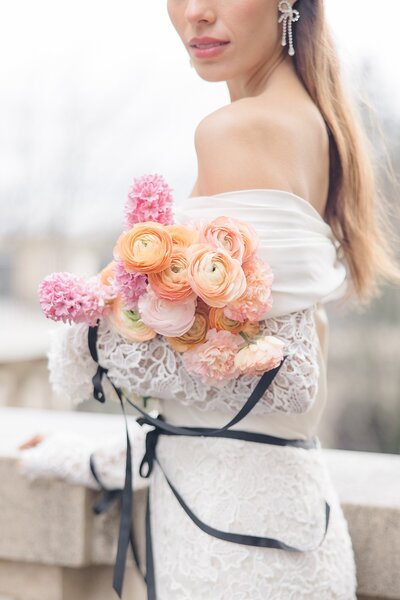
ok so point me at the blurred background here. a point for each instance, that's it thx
(93, 96)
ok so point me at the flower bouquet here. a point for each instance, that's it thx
(201, 286)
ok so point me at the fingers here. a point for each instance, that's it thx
(31, 442)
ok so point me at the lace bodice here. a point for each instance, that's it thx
(154, 369)
(256, 489)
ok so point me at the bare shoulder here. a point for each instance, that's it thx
(260, 143)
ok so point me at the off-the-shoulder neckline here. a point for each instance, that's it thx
(305, 202)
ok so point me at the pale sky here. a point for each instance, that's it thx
(94, 93)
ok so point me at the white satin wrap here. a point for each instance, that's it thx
(294, 240)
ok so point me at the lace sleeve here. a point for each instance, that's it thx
(70, 364)
(153, 369)
(65, 455)
(296, 385)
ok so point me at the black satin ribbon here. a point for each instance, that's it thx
(108, 497)
(161, 426)
(126, 531)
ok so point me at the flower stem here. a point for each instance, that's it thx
(245, 337)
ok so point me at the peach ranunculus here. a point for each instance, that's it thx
(262, 355)
(214, 360)
(182, 235)
(146, 248)
(223, 232)
(172, 284)
(167, 318)
(196, 334)
(214, 275)
(128, 323)
(250, 239)
(257, 299)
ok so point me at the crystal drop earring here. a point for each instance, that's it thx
(289, 15)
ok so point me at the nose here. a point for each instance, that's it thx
(198, 11)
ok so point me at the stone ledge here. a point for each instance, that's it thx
(35, 581)
(51, 523)
(368, 486)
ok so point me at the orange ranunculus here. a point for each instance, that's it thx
(223, 232)
(196, 334)
(172, 284)
(218, 321)
(214, 275)
(182, 235)
(107, 273)
(251, 328)
(128, 323)
(146, 248)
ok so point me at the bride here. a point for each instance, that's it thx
(289, 156)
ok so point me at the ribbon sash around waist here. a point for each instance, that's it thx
(125, 496)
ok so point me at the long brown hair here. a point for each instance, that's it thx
(357, 210)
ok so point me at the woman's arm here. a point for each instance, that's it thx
(153, 369)
(66, 455)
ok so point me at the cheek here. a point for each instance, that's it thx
(175, 10)
(260, 18)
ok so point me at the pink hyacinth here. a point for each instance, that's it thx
(214, 360)
(69, 298)
(150, 199)
(130, 286)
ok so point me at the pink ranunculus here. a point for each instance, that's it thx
(66, 297)
(262, 355)
(214, 360)
(257, 299)
(150, 199)
(130, 286)
(167, 318)
(223, 232)
(250, 239)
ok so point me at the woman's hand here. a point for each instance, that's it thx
(31, 442)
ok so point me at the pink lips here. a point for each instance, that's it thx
(204, 40)
(215, 49)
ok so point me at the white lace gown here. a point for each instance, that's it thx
(233, 485)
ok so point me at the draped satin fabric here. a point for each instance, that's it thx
(303, 253)
(294, 240)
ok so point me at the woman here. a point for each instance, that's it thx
(288, 156)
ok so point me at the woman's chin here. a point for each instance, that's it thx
(211, 72)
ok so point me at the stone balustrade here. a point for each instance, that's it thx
(52, 546)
